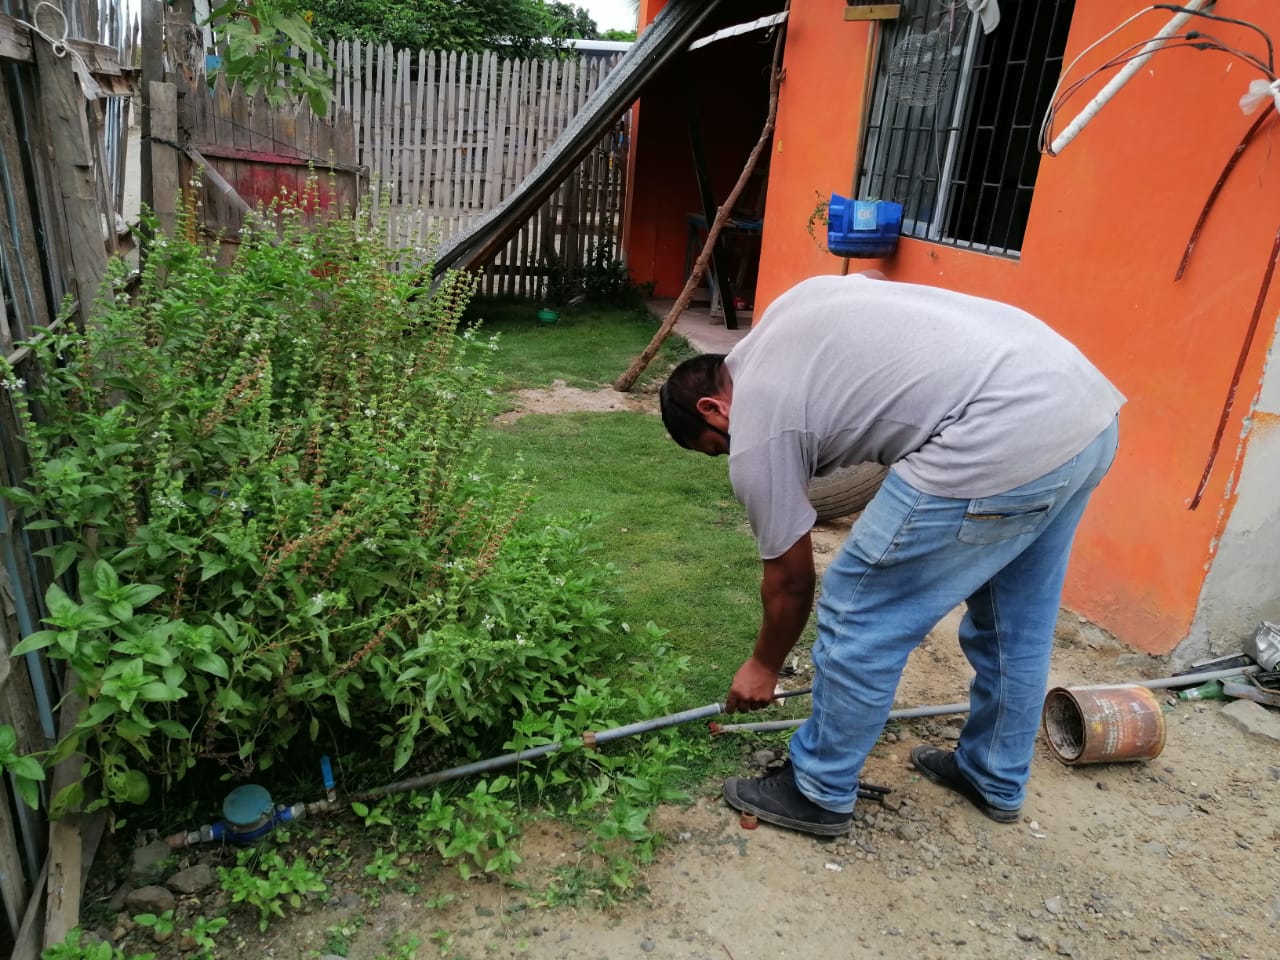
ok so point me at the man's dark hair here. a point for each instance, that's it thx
(678, 398)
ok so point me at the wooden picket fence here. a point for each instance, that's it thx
(446, 136)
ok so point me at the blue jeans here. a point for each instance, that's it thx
(909, 560)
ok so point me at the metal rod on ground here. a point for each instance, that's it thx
(945, 709)
(589, 740)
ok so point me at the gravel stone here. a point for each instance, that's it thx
(151, 899)
(147, 863)
(191, 880)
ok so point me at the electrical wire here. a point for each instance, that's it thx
(1266, 38)
(1192, 39)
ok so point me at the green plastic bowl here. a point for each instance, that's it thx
(548, 316)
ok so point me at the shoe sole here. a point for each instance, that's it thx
(730, 791)
(965, 790)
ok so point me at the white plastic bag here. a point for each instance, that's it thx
(1259, 92)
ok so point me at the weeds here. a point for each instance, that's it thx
(264, 880)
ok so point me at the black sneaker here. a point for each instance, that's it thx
(776, 799)
(940, 767)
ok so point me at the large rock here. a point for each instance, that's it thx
(191, 880)
(150, 900)
(1253, 718)
(147, 863)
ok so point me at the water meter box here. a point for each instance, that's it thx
(863, 228)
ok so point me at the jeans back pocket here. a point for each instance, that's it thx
(993, 519)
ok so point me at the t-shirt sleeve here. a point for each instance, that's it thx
(772, 481)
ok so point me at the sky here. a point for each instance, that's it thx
(609, 14)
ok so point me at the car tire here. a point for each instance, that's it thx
(845, 490)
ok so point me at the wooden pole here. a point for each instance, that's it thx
(75, 170)
(628, 379)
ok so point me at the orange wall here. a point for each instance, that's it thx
(730, 80)
(1109, 221)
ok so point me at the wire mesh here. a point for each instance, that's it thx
(918, 70)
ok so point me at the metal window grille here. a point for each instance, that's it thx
(955, 115)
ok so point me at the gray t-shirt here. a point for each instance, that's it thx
(963, 397)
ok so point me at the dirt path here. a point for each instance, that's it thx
(1169, 858)
(1174, 857)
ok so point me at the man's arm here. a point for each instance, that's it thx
(786, 593)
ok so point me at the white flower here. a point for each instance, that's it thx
(520, 640)
(14, 383)
(487, 622)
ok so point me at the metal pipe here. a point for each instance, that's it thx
(945, 709)
(589, 740)
(1124, 76)
(907, 713)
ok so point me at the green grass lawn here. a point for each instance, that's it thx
(586, 347)
(664, 517)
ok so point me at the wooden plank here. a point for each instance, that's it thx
(164, 158)
(19, 243)
(26, 945)
(476, 124)
(218, 181)
(102, 61)
(64, 109)
(13, 887)
(66, 855)
(449, 138)
(416, 157)
(439, 155)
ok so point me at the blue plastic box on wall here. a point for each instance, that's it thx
(863, 228)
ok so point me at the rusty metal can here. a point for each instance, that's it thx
(748, 821)
(1103, 724)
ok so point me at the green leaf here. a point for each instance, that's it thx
(211, 565)
(64, 556)
(359, 809)
(157, 690)
(59, 604)
(171, 728)
(67, 800)
(105, 581)
(210, 662)
(174, 675)
(404, 751)
(37, 641)
(27, 768)
(122, 610)
(8, 741)
(43, 524)
(29, 792)
(140, 594)
(135, 788)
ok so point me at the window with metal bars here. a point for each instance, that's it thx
(955, 116)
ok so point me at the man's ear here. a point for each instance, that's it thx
(712, 405)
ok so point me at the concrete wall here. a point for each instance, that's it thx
(1243, 583)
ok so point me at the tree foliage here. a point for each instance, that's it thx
(514, 27)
